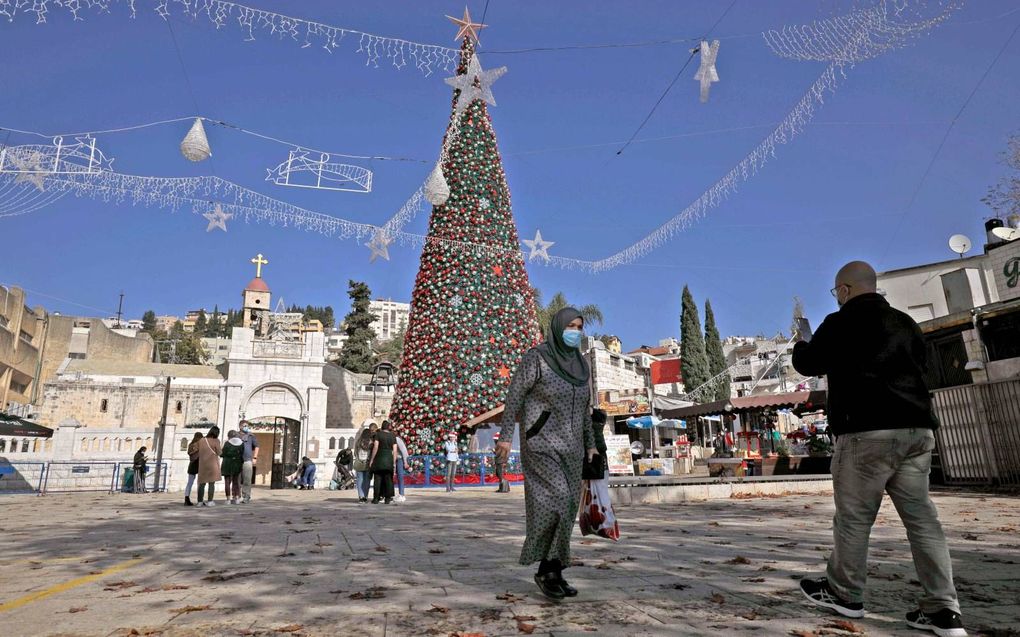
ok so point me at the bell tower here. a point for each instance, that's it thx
(256, 300)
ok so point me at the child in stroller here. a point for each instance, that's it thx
(344, 477)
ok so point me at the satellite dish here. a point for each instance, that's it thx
(637, 447)
(1007, 234)
(960, 244)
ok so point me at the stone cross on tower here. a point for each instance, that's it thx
(259, 262)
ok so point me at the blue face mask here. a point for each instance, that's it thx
(572, 338)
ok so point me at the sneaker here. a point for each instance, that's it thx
(235, 501)
(945, 623)
(819, 593)
(201, 504)
(245, 500)
(210, 503)
(550, 586)
(401, 498)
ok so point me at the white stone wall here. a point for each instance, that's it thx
(997, 260)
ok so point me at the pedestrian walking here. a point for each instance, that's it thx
(384, 452)
(880, 411)
(362, 454)
(192, 466)
(450, 448)
(140, 469)
(251, 458)
(208, 466)
(231, 467)
(402, 462)
(551, 398)
(499, 462)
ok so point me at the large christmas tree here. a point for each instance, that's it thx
(472, 312)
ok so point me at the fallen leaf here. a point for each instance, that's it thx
(750, 615)
(787, 545)
(803, 633)
(766, 569)
(971, 537)
(438, 609)
(676, 586)
(509, 597)
(78, 609)
(754, 580)
(218, 576)
(436, 551)
(740, 559)
(381, 549)
(525, 627)
(843, 624)
(524, 618)
(191, 609)
(713, 524)
(118, 586)
(717, 599)
(289, 628)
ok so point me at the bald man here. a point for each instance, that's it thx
(880, 411)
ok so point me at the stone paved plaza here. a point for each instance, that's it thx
(319, 563)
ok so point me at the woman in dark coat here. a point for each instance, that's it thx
(384, 450)
(192, 466)
(551, 398)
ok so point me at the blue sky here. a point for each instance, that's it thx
(838, 192)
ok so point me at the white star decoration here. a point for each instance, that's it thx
(706, 72)
(466, 28)
(217, 219)
(380, 247)
(538, 247)
(31, 169)
(466, 83)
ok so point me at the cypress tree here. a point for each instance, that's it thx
(357, 354)
(714, 351)
(693, 360)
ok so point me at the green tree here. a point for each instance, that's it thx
(591, 314)
(472, 316)
(693, 359)
(357, 354)
(177, 330)
(190, 350)
(393, 349)
(215, 328)
(149, 322)
(201, 324)
(714, 352)
(1004, 197)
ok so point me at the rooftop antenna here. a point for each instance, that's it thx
(120, 307)
(960, 244)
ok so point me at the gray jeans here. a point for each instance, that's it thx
(247, 471)
(865, 466)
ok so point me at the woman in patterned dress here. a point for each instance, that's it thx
(549, 395)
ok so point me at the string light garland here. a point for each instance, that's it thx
(425, 57)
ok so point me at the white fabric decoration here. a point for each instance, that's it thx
(437, 191)
(706, 72)
(195, 145)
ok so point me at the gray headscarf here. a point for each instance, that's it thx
(566, 362)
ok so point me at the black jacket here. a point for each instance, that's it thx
(874, 358)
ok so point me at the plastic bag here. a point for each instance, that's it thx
(597, 516)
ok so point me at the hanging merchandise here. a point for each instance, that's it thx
(217, 219)
(195, 145)
(302, 170)
(437, 191)
(706, 72)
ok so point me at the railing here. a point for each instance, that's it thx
(979, 433)
(65, 476)
(19, 477)
(473, 470)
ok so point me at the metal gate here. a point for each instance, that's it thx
(979, 432)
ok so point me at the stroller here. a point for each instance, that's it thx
(344, 477)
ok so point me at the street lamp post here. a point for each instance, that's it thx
(162, 434)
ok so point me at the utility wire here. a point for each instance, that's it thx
(683, 68)
(945, 137)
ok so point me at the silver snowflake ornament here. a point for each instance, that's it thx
(456, 300)
(477, 379)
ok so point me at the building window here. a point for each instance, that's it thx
(3, 445)
(179, 407)
(103, 404)
(184, 444)
(332, 444)
(24, 445)
(14, 446)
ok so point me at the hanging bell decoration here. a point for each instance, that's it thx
(195, 145)
(437, 191)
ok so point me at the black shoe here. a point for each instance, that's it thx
(388, 501)
(945, 623)
(550, 586)
(187, 501)
(568, 590)
(374, 501)
(362, 500)
(819, 593)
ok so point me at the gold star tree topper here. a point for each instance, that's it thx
(467, 27)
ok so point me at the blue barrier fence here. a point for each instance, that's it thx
(473, 470)
(17, 477)
(103, 475)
